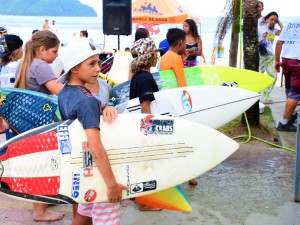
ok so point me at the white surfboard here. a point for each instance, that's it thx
(212, 106)
(148, 153)
(120, 68)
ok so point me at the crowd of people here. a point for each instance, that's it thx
(81, 94)
(27, 66)
(52, 27)
(287, 48)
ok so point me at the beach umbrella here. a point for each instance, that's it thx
(161, 12)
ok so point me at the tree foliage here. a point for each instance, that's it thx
(45, 8)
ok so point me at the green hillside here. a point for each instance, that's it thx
(45, 8)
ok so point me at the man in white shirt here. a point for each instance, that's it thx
(54, 27)
(288, 45)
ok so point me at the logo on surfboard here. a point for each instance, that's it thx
(54, 162)
(230, 84)
(143, 186)
(75, 185)
(47, 107)
(64, 139)
(149, 125)
(186, 101)
(90, 195)
(87, 160)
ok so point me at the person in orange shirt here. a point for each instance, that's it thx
(173, 58)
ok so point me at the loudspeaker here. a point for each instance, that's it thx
(117, 17)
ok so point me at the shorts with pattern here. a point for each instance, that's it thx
(102, 213)
(190, 63)
(291, 71)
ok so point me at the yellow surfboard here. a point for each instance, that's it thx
(219, 75)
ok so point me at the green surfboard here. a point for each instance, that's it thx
(218, 75)
(204, 75)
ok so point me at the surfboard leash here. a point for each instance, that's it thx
(249, 137)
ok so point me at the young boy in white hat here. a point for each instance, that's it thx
(76, 101)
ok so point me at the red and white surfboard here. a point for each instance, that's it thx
(148, 153)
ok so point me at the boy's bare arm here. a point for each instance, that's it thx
(114, 190)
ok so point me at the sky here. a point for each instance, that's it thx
(213, 8)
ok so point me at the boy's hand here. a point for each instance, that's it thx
(114, 194)
(109, 114)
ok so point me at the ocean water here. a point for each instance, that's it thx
(67, 26)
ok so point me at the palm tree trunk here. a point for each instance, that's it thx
(250, 49)
(235, 31)
(251, 58)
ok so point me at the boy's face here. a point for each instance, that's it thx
(181, 46)
(88, 70)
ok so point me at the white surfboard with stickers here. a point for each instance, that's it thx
(212, 106)
(148, 153)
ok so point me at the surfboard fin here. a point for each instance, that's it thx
(172, 199)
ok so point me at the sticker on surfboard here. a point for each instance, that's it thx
(186, 101)
(149, 125)
(230, 84)
(143, 186)
(90, 195)
(75, 185)
(54, 163)
(63, 137)
(87, 160)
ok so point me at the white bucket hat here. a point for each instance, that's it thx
(75, 53)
